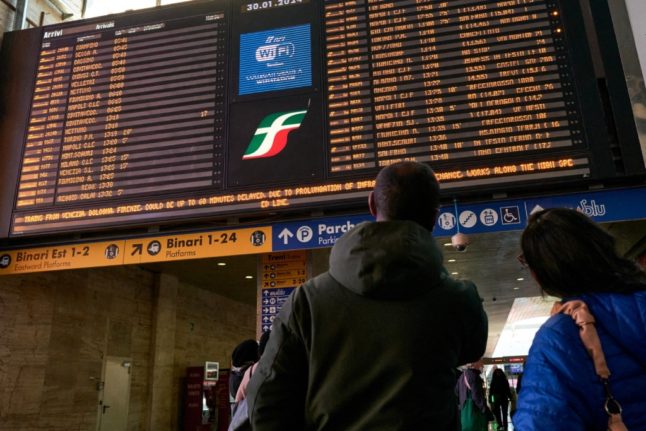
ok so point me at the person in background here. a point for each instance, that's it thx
(499, 397)
(244, 356)
(573, 258)
(242, 389)
(372, 343)
(471, 399)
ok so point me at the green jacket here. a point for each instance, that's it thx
(373, 343)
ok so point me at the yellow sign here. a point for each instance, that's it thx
(198, 245)
(281, 266)
(287, 256)
(56, 258)
(284, 273)
(286, 269)
(280, 283)
(133, 251)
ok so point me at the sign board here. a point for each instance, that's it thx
(505, 215)
(165, 248)
(316, 233)
(198, 245)
(240, 108)
(278, 275)
(55, 258)
(283, 269)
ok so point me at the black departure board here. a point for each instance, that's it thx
(126, 111)
(453, 81)
(218, 108)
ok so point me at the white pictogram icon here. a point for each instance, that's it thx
(446, 221)
(468, 218)
(488, 217)
(304, 234)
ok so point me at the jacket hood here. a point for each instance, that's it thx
(387, 260)
(623, 316)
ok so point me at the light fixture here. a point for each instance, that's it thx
(516, 288)
(249, 277)
(451, 260)
(454, 273)
(222, 264)
(447, 244)
(520, 279)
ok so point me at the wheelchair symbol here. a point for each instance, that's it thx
(510, 215)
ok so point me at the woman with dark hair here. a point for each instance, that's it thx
(567, 384)
(499, 397)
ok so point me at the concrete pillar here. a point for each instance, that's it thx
(162, 408)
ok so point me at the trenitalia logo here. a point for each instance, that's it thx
(271, 136)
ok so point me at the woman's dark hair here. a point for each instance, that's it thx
(499, 382)
(570, 255)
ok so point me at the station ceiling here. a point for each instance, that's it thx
(490, 261)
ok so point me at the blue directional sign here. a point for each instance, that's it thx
(601, 206)
(272, 302)
(497, 216)
(316, 233)
(493, 216)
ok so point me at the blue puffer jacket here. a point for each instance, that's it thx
(561, 390)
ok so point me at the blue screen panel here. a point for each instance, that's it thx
(275, 60)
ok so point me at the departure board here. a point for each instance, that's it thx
(127, 111)
(450, 81)
(237, 108)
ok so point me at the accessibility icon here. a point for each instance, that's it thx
(488, 217)
(446, 221)
(510, 215)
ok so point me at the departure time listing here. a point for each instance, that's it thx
(447, 81)
(120, 112)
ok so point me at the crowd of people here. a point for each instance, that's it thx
(377, 342)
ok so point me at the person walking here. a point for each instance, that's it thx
(589, 357)
(373, 342)
(471, 399)
(499, 397)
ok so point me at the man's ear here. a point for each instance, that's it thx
(371, 204)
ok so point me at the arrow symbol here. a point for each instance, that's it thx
(137, 249)
(536, 209)
(285, 235)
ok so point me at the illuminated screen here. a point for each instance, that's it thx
(275, 60)
(237, 108)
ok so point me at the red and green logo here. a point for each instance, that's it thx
(271, 135)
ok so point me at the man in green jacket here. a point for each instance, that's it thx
(372, 344)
